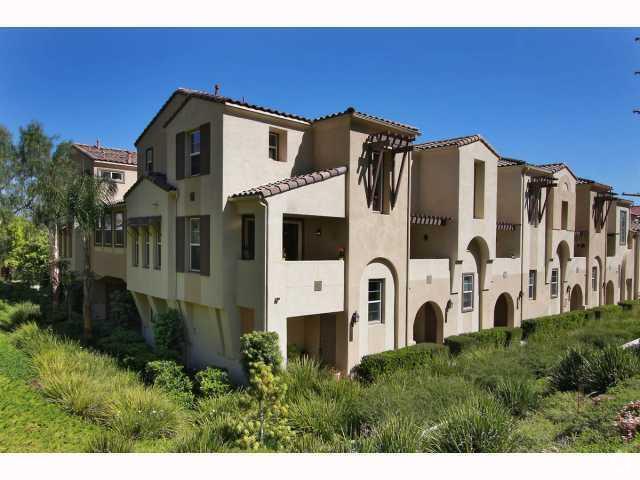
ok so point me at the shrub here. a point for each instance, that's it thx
(564, 321)
(128, 346)
(170, 377)
(213, 382)
(260, 347)
(459, 343)
(20, 314)
(480, 425)
(395, 435)
(594, 370)
(628, 420)
(109, 442)
(519, 395)
(373, 366)
(490, 337)
(168, 332)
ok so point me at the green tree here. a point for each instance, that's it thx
(87, 197)
(24, 248)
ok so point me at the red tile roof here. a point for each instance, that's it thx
(365, 116)
(456, 142)
(509, 162)
(281, 186)
(105, 154)
(635, 210)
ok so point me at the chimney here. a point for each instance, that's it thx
(97, 143)
(216, 89)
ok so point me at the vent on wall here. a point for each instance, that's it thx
(317, 286)
(429, 279)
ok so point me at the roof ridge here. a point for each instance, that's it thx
(104, 148)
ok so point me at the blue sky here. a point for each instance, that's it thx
(541, 95)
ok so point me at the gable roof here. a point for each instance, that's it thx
(106, 154)
(510, 162)
(158, 179)
(372, 118)
(556, 167)
(456, 142)
(281, 186)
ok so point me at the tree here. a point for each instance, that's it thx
(24, 249)
(87, 197)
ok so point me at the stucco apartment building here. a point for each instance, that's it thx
(347, 237)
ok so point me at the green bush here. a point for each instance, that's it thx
(128, 346)
(260, 347)
(594, 370)
(519, 395)
(480, 425)
(213, 382)
(170, 377)
(564, 321)
(373, 366)
(490, 337)
(12, 316)
(168, 332)
(109, 442)
(394, 435)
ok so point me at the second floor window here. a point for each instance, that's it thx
(554, 282)
(594, 279)
(117, 177)
(108, 232)
(145, 251)
(467, 292)
(274, 146)
(98, 233)
(194, 244)
(533, 275)
(248, 237)
(374, 303)
(194, 152)
(119, 221)
(157, 255)
(623, 227)
(148, 160)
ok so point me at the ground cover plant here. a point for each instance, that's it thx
(569, 387)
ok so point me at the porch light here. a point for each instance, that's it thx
(318, 232)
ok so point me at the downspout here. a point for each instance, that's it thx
(522, 205)
(406, 306)
(263, 203)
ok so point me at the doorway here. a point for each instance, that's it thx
(292, 239)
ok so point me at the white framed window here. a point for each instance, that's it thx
(145, 249)
(623, 227)
(119, 224)
(135, 249)
(467, 291)
(274, 146)
(148, 160)
(375, 300)
(98, 233)
(107, 235)
(194, 152)
(594, 279)
(194, 244)
(157, 255)
(555, 279)
(113, 175)
(533, 277)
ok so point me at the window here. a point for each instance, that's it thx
(157, 255)
(554, 283)
(594, 279)
(378, 191)
(565, 216)
(274, 146)
(98, 234)
(376, 292)
(467, 292)
(108, 232)
(117, 177)
(194, 244)
(623, 227)
(248, 237)
(119, 221)
(194, 152)
(148, 160)
(478, 189)
(135, 250)
(145, 251)
(533, 277)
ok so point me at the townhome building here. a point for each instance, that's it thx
(348, 237)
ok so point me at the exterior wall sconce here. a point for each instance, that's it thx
(425, 237)
(519, 299)
(447, 307)
(355, 318)
(276, 300)
(318, 232)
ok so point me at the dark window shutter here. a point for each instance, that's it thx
(180, 239)
(205, 149)
(140, 165)
(205, 245)
(180, 154)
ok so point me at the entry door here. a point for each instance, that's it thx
(292, 240)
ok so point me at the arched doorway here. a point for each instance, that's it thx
(503, 311)
(609, 295)
(479, 250)
(428, 324)
(596, 279)
(563, 253)
(576, 298)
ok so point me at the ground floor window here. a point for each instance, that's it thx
(467, 291)
(157, 255)
(376, 292)
(533, 274)
(194, 244)
(594, 279)
(554, 282)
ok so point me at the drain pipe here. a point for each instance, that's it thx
(264, 204)
(525, 170)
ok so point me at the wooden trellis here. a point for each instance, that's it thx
(533, 197)
(371, 165)
(601, 207)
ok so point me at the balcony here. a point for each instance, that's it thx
(313, 286)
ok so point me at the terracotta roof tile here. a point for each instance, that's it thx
(105, 154)
(422, 219)
(365, 116)
(159, 179)
(455, 142)
(509, 162)
(281, 186)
